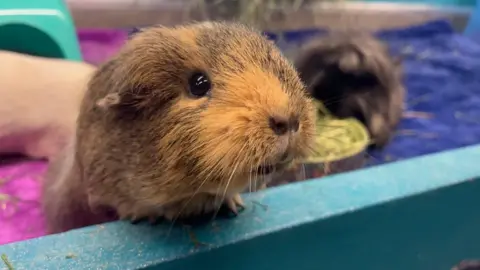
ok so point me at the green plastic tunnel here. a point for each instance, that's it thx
(27, 39)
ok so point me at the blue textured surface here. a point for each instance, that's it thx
(338, 223)
(444, 71)
(442, 76)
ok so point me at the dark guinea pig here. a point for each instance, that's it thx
(354, 75)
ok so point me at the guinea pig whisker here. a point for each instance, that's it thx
(216, 164)
(334, 100)
(321, 133)
(330, 126)
(184, 206)
(250, 182)
(332, 138)
(369, 156)
(222, 198)
(205, 178)
(303, 172)
(263, 177)
(256, 174)
(235, 162)
(226, 189)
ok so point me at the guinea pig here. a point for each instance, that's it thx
(39, 102)
(178, 123)
(354, 75)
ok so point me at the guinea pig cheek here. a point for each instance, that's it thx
(224, 131)
(229, 147)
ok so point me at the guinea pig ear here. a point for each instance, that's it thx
(124, 92)
(109, 101)
(134, 31)
(128, 100)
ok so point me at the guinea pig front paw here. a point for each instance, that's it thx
(152, 219)
(202, 204)
(137, 218)
(234, 203)
(137, 214)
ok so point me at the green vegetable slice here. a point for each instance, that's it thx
(337, 139)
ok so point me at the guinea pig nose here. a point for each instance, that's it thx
(281, 125)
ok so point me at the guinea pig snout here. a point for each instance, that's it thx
(281, 125)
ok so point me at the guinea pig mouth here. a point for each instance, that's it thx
(268, 168)
(265, 169)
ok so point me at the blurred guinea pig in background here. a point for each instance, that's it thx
(354, 75)
(39, 102)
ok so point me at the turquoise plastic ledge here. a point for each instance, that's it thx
(421, 213)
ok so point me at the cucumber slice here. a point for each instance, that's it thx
(337, 139)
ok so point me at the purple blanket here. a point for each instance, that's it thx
(20, 213)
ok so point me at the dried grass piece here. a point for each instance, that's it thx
(419, 99)
(263, 206)
(411, 132)
(417, 114)
(7, 262)
(193, 238)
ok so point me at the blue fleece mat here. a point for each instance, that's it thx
(442, 75)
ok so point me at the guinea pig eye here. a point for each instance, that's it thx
(199, 84)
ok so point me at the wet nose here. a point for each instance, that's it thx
(282, 125)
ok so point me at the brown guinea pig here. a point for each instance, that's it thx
(354, 75)
(178, 123)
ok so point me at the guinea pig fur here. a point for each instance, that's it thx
(354, 75)
(39, 102)
(180, 122)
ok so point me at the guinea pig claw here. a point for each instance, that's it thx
(153, 220)
(234, 203)
(126, 217)
(262, 186)
(135, 220)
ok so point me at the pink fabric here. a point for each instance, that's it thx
(97, 45)
(20, 213)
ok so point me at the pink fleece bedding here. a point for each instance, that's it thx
(20, 214)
